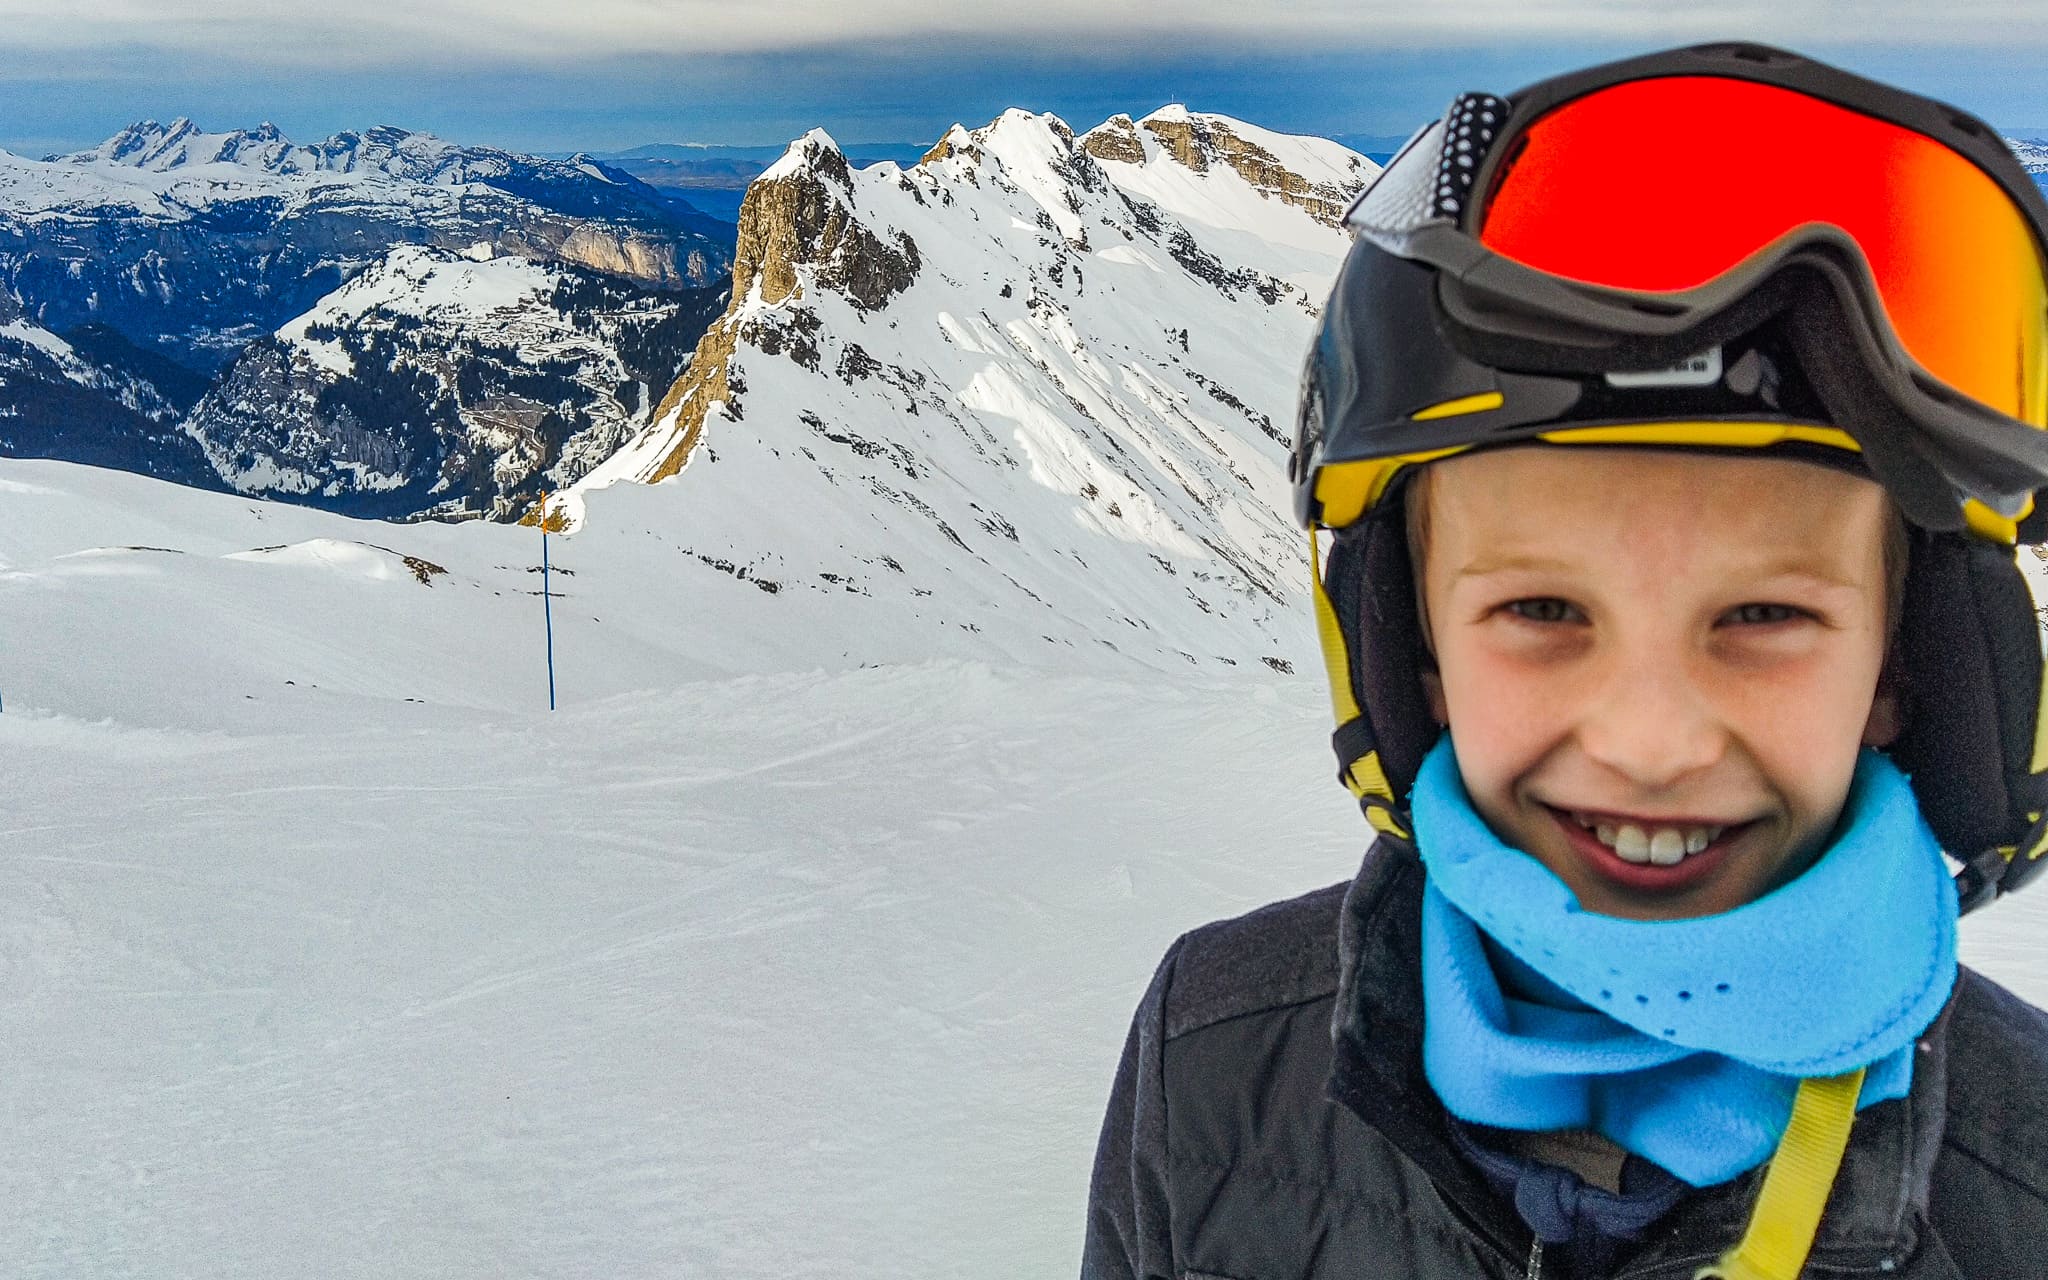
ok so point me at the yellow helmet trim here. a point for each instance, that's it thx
(1463, 404)
(1347, 490)
(1336, 659)
(1988, 524)
(1718, 435)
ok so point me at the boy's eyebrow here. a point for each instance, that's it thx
(1792, 565)
(1812, 573)
(1485, 563)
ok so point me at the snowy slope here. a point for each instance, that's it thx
(321, 941)
(1036, 386)
(2032, 153)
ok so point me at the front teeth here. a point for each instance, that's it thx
(1667, 847)
(1662, 846)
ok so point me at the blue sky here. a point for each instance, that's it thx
(609, 74)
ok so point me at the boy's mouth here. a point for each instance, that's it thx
(1664, 844)
(1647, 855)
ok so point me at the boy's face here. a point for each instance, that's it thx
(1658, 666)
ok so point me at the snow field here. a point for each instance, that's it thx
(781, 975)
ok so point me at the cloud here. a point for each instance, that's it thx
(384, 33)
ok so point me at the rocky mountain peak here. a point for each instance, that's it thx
(801, 213)
(1115, 139)
(798, 224)
(1200, 141)
(160, 148)
(957, 140)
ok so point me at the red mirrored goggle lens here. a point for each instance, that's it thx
(1661, 185)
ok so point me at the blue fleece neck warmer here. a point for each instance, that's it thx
(1683, 1041)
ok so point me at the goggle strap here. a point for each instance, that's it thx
(1470, 127)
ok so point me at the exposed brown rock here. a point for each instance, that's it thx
(948, 146)
(798, 219)
(802, 218)
(1115, 139)
(631, 254)
(1180, 140)
(691, 398)
(1195, 142)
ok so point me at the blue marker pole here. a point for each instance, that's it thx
(547, 603)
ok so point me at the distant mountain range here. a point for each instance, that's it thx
(447, 385)
(715, 177)
(386, 323)
(192, 243)
(156, 293)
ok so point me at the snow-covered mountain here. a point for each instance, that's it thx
(193, 243)
(1035, 387)
(2033, 156)
(449, 385)
(95, 398)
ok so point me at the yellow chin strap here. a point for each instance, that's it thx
(1796, 1186)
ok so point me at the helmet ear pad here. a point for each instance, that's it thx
(1969, 667)
(1371, 580)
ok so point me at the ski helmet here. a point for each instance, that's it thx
(1854, 275)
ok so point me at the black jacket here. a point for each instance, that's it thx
(1270, 1121)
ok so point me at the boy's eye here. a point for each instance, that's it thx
(1541, 609)
(1754, 615)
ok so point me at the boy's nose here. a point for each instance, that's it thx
(1649, 722)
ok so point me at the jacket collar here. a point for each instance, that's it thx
(1874, 1215)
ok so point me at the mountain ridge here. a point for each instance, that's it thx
(1017, 388)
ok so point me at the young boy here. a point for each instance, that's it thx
(1677, 421)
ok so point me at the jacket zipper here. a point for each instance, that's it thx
(1536, 1258)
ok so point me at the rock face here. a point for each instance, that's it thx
(1200, 141)
(802, 213)
(440, 385)
(1032, 391)
(192, 244)
(1115, 139)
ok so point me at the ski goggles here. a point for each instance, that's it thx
(1633, 217)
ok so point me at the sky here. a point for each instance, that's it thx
(605, 75)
